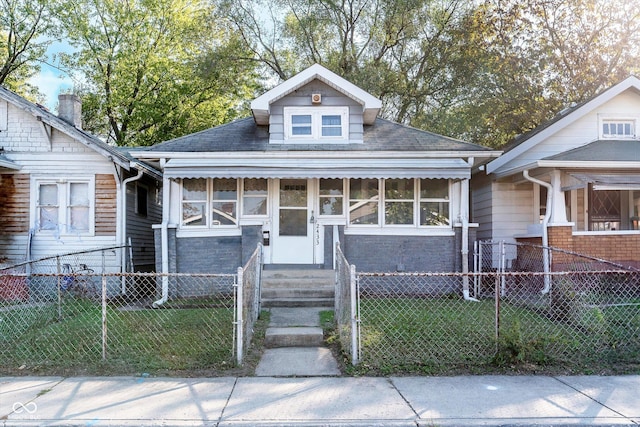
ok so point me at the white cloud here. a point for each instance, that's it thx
(51, 82)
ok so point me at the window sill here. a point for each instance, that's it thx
(208, 232)
(392, 231)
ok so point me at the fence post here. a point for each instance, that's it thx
(104, 316)
(503, 268)
(59, 289)
(497, 308)
(239, 317)
(103, 299)
(355, 318)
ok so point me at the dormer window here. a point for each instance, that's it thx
(618, 129)
(312, 124)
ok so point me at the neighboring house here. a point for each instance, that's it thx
(63, 190)
(572, 183)
(314, 166)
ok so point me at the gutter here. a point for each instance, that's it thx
(164, 237)
(545, 234)
(123, 253)
(464, 217)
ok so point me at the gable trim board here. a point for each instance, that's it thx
(261, 105)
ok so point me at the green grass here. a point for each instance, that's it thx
(137, 341)
(447, 335)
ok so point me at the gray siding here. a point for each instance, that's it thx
(139, 226)
(302, 98)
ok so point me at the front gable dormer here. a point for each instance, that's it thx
(316, 107)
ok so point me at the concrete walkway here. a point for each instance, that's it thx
(321, 401)
(296, 345)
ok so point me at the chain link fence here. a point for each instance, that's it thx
(345, 303)
(584, 319)
(104, 322)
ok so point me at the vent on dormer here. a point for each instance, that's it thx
(316, 98)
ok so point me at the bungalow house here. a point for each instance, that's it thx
(313, 166)
(63, 190)
(572, 183)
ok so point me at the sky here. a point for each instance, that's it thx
(51, 81)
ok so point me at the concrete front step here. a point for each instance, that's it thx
(294, 337)
(298, 302)
(281, 293)
(298, 288)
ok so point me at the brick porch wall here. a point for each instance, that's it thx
(620, 248)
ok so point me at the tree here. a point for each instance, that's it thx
(402, 51)
(155, 69)
(27, 28)
(484, 71)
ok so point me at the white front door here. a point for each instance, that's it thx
(293, 223)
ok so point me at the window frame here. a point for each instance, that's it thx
(64, 206)
(322, 197)
(243, 196)
(382, 201)
(317, 114)
(622, 120)
(208, 206)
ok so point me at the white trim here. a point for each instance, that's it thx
(316, 113)
(208, 232)
(63, 186)
(318, 167)
(395, 231)
(613, 118)
(170, 156)
(262, 104)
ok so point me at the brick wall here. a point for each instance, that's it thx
(620, 248)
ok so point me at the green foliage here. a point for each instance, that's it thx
(27, 28)
(482, 71)
(515, 348)
(156, 69)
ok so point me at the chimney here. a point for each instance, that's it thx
(70, 109)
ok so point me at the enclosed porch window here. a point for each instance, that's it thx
(209, 202)
(401, 203)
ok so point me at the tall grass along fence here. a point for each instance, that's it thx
(586, 319)
(84, 318)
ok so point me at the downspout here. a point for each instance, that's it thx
(545, 234)
(123, 253)
(464, 218)
(164, 239)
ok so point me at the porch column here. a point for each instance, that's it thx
(558, 210)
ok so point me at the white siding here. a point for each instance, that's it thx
(583, 131)
(46, 153)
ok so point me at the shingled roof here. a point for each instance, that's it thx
(246, 135)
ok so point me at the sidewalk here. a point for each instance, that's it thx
(326, 401)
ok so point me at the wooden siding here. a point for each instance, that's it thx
(14, 203)
(14, 216)
(106, 205)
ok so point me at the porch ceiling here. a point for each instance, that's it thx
(602, 181)
(317, 168)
